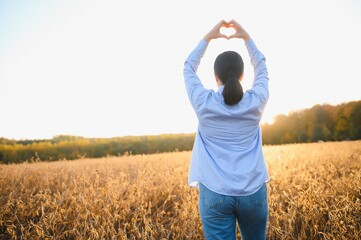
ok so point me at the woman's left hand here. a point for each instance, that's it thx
(216, 31)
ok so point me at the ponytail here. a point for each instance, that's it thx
(232, 91)
(229, 67)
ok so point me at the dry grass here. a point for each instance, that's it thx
(314, 193)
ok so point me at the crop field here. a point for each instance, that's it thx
(314, 193)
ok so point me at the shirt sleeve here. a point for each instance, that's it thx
(195, 90)
(260, 83)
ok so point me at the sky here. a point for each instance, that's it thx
(115, 68)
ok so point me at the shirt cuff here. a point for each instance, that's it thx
(251, 46)
(203, 44)
(199, 50)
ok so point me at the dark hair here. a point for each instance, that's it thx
(229, 66)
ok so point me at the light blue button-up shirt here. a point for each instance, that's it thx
(227, 154)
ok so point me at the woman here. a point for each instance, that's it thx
(227, 159)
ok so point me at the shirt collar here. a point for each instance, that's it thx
(220, 89)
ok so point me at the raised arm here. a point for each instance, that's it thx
(195, 89)
(260, 83)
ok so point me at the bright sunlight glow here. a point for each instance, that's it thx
(114, 68)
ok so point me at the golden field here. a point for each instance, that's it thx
(314, 193)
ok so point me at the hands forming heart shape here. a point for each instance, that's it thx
(228, 30)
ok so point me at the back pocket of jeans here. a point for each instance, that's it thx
(259, 198)
(209, 198)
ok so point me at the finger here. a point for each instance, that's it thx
(222, 24)
(234, 27)
(225, 25)
(222, 36)
(233, 22)
(233, 36)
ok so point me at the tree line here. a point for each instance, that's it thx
(319, 123)
(73, 147)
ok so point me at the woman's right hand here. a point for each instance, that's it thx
(240, 32)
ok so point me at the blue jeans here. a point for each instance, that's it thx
(219, 214)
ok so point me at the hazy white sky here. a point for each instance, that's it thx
(114, 68)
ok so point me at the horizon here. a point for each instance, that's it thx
(162, 134)
(103, 70)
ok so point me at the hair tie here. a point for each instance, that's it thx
(231, 76)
